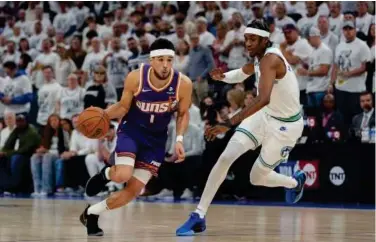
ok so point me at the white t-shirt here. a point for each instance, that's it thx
(16, 87)
(363, 23)
(349, 56)
(279, 23)
(320, 56)
(64, 21)
(374, 73)
(277, 37)
(335, 24)
(305, 23)
(36, 40)
(63, 69)
(92, 60)
(206, 39)
(71, 101)
(117, 68)
(302, 49)
(80, 14)
(47, 97)
(49, 59)
(237, 55)
(331, 40)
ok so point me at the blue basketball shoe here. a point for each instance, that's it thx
(293, 195)
(194, 225)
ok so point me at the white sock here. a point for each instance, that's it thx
(200, 212)
(107, 173)
(218, 174)
(98, 208)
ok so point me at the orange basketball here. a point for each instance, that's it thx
(93, 122)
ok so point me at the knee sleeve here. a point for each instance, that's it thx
(258, 173)
(121, 173)
(142, 175)
(234, 149)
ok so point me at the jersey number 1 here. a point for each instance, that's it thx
(152, 118)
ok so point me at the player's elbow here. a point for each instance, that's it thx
(265, 100)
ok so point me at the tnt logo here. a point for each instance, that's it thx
(154, 163)
(337, 176)
(311, 168)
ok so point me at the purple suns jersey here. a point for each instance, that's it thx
(152, 107)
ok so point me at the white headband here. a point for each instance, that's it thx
(258, 32)
(162, 52)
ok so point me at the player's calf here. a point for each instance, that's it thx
(117, 173)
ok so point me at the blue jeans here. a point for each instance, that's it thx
(59, 173)
(314, 99)
(42, 170)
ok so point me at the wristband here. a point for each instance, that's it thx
(179, 138)
(235, 76)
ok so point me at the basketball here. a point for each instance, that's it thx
(93, 122)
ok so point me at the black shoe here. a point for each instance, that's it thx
(97, 183)
(90, 221)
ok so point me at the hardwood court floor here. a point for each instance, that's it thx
(57, 220)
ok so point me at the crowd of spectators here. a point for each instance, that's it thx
(58, 58)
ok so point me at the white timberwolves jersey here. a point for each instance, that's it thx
(71, 102)
(284, 100)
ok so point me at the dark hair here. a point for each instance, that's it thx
(48, 67)
(162, 44)
(49, 132)
(259, 24)
(10, 65)
(365, 93)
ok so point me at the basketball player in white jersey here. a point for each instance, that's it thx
(273, 120)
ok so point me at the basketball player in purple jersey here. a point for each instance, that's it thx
(151, 95)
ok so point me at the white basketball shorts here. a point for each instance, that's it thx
(277, 136)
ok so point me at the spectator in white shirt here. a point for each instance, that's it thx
(327, 37)
(226, 10)
(233, 46)
(305, 23)
(46, 58)
(16, 91)
(65, 21)
(37, 36)
(318, 73)
(178, 35)
(349, 71)
(364, 19)
(70, 100)
(47, 96)
(8, 30)
(181, 59)
(336, 18)
(206, 38)
(11, 53)
(10, 122)
(281, 18)
(276, 35)
(297, 51)
(64, 66)
(93, 59)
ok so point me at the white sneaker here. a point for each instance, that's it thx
(35, 194)
(43, 194)
(187, 194)
(164, 193)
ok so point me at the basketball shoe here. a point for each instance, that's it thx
(293, 195)
(90, 221)
(194, 225)
(97, 183)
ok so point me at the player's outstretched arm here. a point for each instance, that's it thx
(185, 100)
(182, 119)
(234, 76)
(268, 68)
(131, 86)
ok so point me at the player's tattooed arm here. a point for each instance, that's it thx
(131, 87)
(268, 68)
(185, 100)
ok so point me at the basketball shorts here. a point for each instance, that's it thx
(148, 150)
(277, 136)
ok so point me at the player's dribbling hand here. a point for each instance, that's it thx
(217, 74)
(212, 132)
(179, 152)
